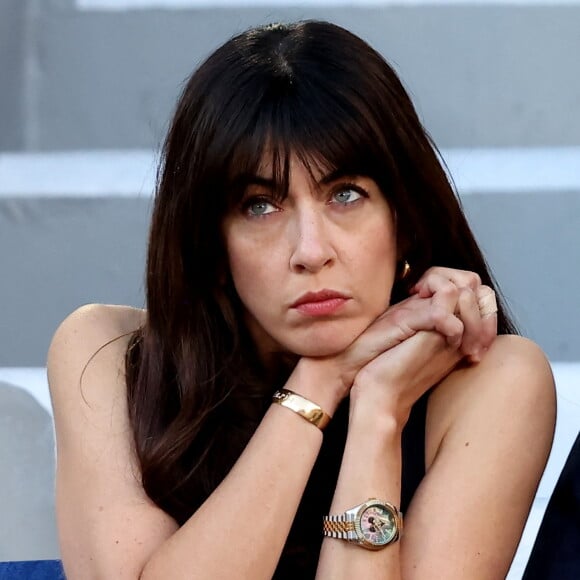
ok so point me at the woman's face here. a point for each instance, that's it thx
(314, 270)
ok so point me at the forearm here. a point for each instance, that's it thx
(249, 515)
(371, 468)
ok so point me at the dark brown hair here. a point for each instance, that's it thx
(195, 387)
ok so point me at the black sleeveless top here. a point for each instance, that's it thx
(300, 556)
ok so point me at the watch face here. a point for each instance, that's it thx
(378, 525)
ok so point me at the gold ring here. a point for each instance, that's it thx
(487, 304)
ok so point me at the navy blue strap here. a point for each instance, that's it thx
(32, 570)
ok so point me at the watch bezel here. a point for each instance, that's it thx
(358, 527)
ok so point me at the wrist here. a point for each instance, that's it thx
(379, 416)
(315, 381)
(302, 406)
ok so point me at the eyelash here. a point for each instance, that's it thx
(344, 187)
(250, 201)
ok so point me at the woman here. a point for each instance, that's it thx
(307, 259)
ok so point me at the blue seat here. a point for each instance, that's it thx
(32, 570)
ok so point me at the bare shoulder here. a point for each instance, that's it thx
(489, 431)
(108, 526)
(93, 337)
(96, 322)
(514, 381)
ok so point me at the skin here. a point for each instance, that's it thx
(468, 513)
(338, 236)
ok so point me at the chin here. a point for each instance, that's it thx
(316, 346)
(319, 351)
(321, 341)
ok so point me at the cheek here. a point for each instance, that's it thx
(238, 248)
(253, 273)
(379, 253)
(242, 270)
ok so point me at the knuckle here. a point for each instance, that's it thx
(457, 336)
(449, 290)
(466, 297)
(483, 289)
(428, 276)
(438, 316)
(473, 280)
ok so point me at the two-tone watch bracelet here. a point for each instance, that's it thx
(373, 524)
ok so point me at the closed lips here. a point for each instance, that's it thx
(321, 296)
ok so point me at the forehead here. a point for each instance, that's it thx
(274, 163)
(273, 160)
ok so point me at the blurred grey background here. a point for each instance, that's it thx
(80, 77)
(88, 87)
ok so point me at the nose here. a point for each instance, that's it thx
(312, 248)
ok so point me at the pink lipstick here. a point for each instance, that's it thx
(322, 303)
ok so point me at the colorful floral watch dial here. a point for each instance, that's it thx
(378, 525)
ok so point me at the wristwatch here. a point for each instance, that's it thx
(373, 524)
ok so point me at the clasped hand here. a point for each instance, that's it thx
(415, 343)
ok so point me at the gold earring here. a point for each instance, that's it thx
(406, 270)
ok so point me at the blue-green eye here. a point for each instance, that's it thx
(346, 196)
(259, 207)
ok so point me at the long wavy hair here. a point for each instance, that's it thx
(196, 388)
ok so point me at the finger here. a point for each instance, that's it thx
(447, 324)
(468, 312)
(434, 284)
(461, 278)
(488, 310)
(486, 301)
(444, 295)
(439, 318)
(415, 314)
(400, 323)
